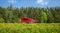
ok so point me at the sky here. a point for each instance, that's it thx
(30, 3)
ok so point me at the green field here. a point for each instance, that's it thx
(29, 28)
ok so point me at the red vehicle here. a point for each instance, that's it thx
(27, 20)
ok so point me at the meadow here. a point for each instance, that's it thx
(29, 28)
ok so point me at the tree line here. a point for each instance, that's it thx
(42, 15)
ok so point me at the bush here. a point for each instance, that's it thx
(1, 20)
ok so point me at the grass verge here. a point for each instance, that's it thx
(29, 28)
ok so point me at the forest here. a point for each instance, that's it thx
(42, 15)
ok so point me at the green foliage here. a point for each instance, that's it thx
(2, 20)
(42, 15)
(29, 28)
(45, 17)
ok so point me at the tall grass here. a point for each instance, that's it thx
(29, 28)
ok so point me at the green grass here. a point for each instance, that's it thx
(29, 28)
